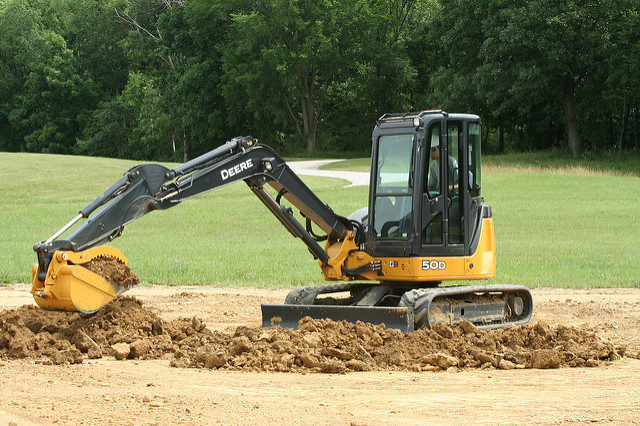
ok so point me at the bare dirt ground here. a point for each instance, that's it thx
(133, 391)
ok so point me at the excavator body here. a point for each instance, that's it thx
(425, 224)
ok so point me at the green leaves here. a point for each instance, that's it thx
(172, 79)
(46, 92)
(131, 125)
(531, 67)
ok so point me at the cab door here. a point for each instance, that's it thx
(443, 191)
(391, 227)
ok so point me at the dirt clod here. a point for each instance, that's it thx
(94, 353)
(545, 358)
(506, 365)
(113, 270)
(121, 350)
(139, 348)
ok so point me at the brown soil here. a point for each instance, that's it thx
(125, 329)
(113, 270)
(146, 390)
(336, 347)
(123, 326)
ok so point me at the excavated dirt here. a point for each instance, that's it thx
(336, 347)
(125, 329)
(113, 270)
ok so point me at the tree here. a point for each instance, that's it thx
(94, 34)
(47, 93)
(198, 31)
(622, 80)
(556, 45)
(381, 77)
(284, 56)
(131, 125)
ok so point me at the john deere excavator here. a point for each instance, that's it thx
(425, 224)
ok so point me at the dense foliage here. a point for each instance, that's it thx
(170, 79)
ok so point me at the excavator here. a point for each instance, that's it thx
(425, 225)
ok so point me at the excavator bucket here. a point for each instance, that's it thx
(69, 286)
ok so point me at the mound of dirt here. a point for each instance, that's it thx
(113, 270)
(335, 347)
(124, 329)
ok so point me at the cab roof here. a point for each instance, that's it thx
(406, 119)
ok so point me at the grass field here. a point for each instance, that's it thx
(552, 161)
(553, 229)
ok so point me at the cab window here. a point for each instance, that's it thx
(392, 212)
(474, 159)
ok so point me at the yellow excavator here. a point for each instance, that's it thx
(425, 224)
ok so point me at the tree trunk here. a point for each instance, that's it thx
(311, 142)
(569, 103)
(485, 131)
(501, 139)
(623, 131)
(185, 149)
(308, 121)
(635, 135)
(611, 130)
(520, 147)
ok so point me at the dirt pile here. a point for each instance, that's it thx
(124, 329)
(113, 270)
(328, 346)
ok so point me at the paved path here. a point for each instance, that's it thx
(311, 168)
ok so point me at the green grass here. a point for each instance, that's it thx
(552, 229)
(555, 161)
(565, 230)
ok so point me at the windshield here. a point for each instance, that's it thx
(394, 163)
(392, 203)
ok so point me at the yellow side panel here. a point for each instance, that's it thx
(480, 265)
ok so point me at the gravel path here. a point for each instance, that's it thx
(312, 168)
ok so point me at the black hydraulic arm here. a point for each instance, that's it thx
(149, 187)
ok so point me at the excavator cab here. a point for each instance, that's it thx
(419, 205)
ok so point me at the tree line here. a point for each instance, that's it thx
(171, 79)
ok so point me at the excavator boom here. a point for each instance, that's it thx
(59, 280)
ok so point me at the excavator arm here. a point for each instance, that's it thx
(60, 282)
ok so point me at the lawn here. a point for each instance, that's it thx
(552, 161)
(564, 229)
